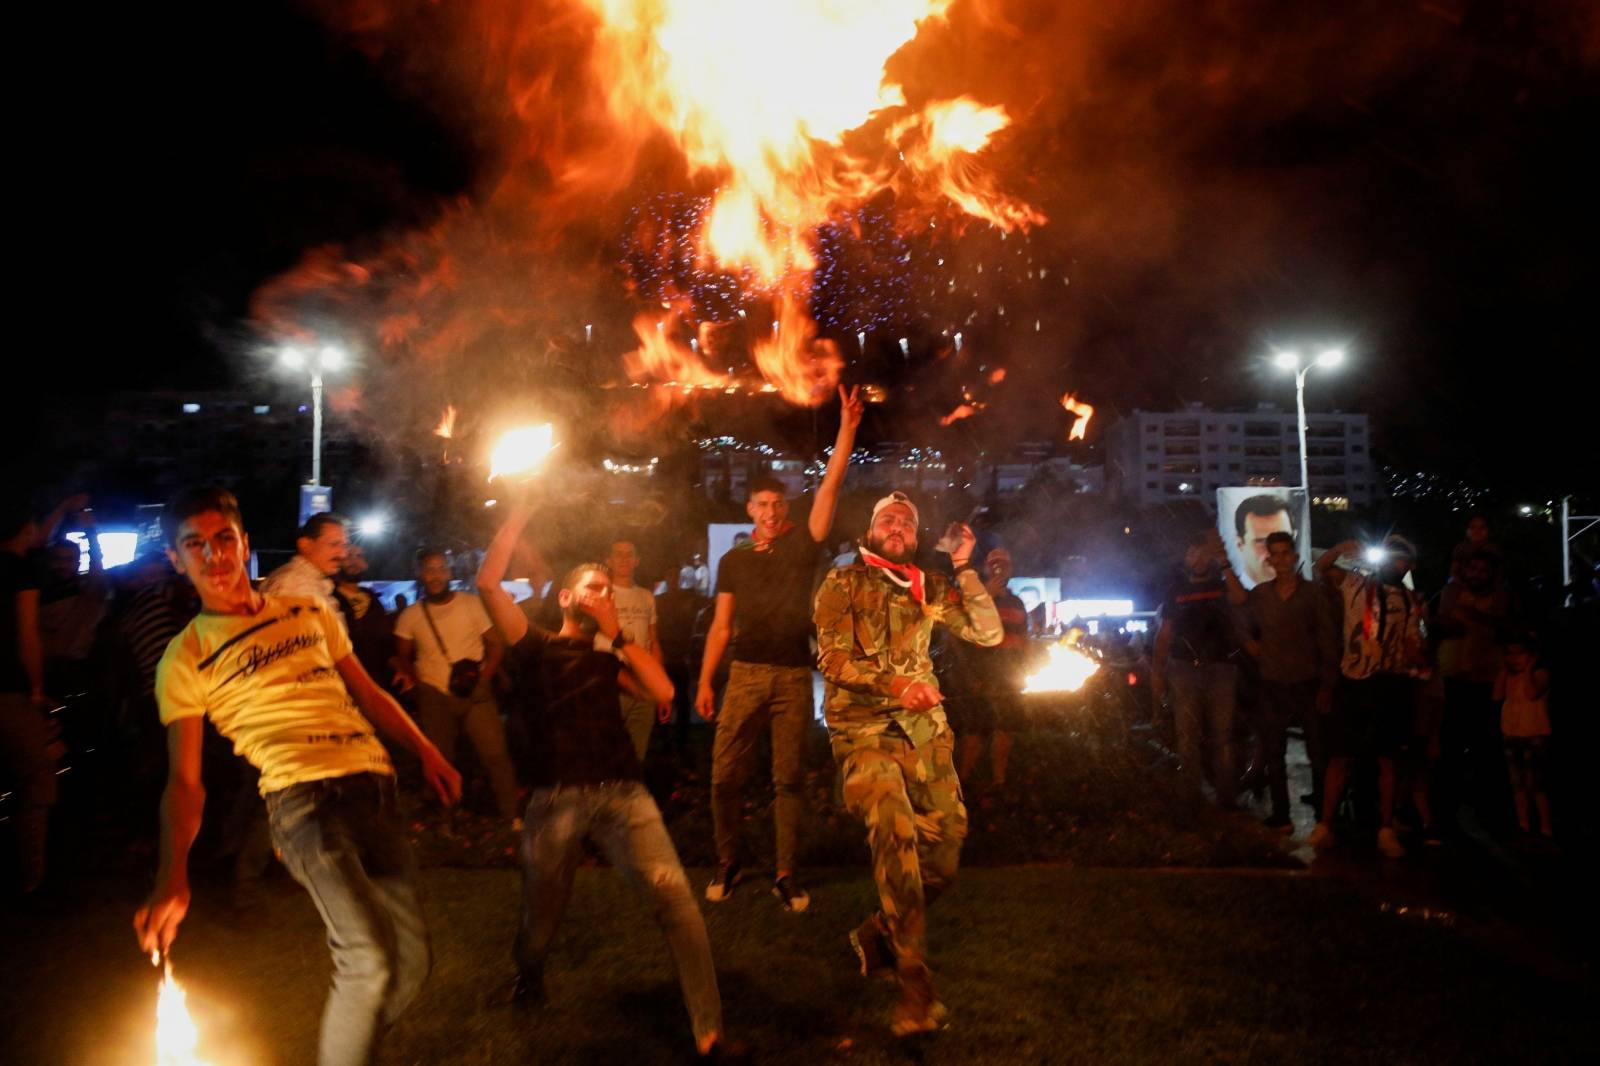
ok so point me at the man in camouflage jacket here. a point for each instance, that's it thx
(887, 727)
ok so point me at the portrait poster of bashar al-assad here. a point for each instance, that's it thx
(1248, 514)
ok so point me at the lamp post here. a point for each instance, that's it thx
(326, 358)
(1292, 362)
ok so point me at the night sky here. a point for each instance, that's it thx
(1403, 179)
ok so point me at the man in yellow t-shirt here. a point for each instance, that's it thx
(277, 677)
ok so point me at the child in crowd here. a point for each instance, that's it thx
(1525, 724)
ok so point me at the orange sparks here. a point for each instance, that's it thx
(1084, 412)
(447, 423)
(997, 375)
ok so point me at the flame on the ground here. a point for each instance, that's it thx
(447, 423)
(177, 1038)
(521, 451)
(1084, 412)
(1067, 669)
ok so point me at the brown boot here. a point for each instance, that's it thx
(917, 1010)
(870, 941)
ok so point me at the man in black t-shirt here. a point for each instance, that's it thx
(763, 606)
(586, 780)
(1198, 634)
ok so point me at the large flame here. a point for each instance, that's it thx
(739, 88)
(785, 112)
(759, 97)
(1067, 669)
(177, 1037)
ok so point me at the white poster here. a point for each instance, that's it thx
(720, 538)
(1248, 514)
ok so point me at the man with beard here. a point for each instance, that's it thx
(764, 595)
(890, 737)
(319, 553)
(276, 676)
(586, 778)
(441, 630)
(1383, 652)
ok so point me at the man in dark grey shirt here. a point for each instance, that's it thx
(1297, 650)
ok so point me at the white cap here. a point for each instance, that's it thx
(896, 497)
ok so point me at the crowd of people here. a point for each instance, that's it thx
(1446, 695)
(285, 705)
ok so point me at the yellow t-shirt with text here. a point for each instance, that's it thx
(268, 683)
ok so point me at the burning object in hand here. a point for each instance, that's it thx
(521, 451)
(176, 1034)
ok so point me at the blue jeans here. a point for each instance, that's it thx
(1203, 701)
(343, 839)
(622, 819)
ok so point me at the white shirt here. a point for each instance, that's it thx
(298, 577)
(636, 613)
(461, 623)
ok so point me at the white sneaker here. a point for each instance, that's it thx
(1321, 836)
(1389, 845)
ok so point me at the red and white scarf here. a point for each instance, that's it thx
(907, 575)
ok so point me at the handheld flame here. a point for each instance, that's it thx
(177, 1037)
(521, 451)
(1068, 669)
(1084, 412)
(447, 423)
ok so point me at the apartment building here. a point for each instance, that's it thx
(1156, 457)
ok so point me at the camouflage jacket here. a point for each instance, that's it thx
(871, 632)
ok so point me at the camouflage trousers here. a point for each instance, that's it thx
(910, 799)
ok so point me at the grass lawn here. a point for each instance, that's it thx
(1038, 964)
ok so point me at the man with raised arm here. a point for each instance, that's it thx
(890, 737)
(586, 778)
(277, 677)
(763, 608)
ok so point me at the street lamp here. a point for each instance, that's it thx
(1292, 362)
(327, 358)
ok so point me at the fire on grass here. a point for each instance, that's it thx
(1067, 669)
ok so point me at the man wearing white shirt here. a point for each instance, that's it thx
(443, 628)
(320, 549)
(636, 613)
